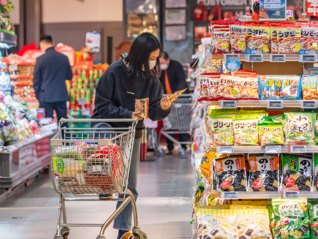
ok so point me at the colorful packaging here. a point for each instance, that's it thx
(291, 218)
(271, 133)
(274, 46)
(222, 130)
(300, 126)
(308, 38)
(258, 37)
(214, 83)
(271, 219)
(247, 87)
(279, 87)
(238, 38)
(313, 216)
(230, 173)
(315, 171)
(175, 95)
(264, 173)
(204, 86)
(245, 130)
(221, 41)
(310, 70)
(309, 87)
(228, 89)
(143, 106)
(289, 39)
(253, 226)
(297, 172)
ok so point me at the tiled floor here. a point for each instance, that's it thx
(164, 205)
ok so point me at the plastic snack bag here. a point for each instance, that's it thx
(227, 88)
(253, 226)
(238, 38)
(291, 218)
(264, 173)
(222, 130)
(258, 37)
(204, 86)
(313, 215)
(245, 130)
(175, 95)
(221, 42)
(297, 172)
(315, 182)
(214, 83)
(289, 39)
(247, 86)
(309, 87)
(230, 173)
(274, 47)
(300, 127)
(271, 133)
(143, 106)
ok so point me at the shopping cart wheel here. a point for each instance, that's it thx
(183, 154)
(161, 152)
(65, 231)
(140, 235)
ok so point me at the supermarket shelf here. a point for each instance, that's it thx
(266, 57)
(263, 149)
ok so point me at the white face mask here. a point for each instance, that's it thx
(164, 67)
(152, 64)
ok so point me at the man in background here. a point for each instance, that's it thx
(172, 79)
(50, 72)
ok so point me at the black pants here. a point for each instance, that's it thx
(182, 138)
(59, 107)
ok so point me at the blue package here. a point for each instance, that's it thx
(309, 87)
(274, 87)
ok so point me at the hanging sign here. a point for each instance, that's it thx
(93, 41)
(312, 8)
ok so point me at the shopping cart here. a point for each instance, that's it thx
(178, 122)
(87, 162)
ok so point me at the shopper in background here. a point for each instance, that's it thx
(124, 81)
(50, 72)
(172, 79)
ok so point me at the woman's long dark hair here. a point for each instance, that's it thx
(138, 57)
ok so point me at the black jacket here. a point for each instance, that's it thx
(176, 77)
(50, 72)
(116, 94)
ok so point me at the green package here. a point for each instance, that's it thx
(270, 133)
(313, 215)
(222, 130)
(300, 126)
(278, 119)
(315, 171)
(271, 219)
(291, 218)
(69, 152)
(223, 112)
(245, 130)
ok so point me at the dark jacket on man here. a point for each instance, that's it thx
(176, 77)
(116, 94)
(50, 72)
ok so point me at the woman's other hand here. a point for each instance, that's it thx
(165, 103)
(137, 115)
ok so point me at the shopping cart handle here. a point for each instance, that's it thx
(133, 120)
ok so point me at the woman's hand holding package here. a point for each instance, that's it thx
(165, 103)
(137, 115)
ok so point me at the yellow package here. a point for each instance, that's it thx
(143, 106)
(175, 95)
(289, 39)
(247, 202)
(253, 226)
(258, 37)
(207, 160)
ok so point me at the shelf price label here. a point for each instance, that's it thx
(229, 195)
(290, 193)
(228, 104)
(227, 57)
(254, 55)
(273, 149)
(295, 147)
(274, 104)
(308, 56)
(277, 58)
(309, 104)
(225, 149)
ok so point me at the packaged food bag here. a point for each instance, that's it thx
(271, 133)
(222, 130)
(274, 46)
(271, 219)
(143, 106)
(315, 171)
(313, 215)
(238, 38)
(289, 39)
(300, 126)
(309, 87)
(228, 89)
(221, 40)
(247, 86)
(253, 226)
(297, 172)
(230, 173)
(204, 86)
(291, 218)
(214, 83)
(263, 173)
(258, 37)
(245, 130)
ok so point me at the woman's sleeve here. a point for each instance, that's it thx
(155, 111)
(103, 104)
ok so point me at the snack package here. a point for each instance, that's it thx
(204, 86)
(309, 87)
(143, 106)
(300, 126)
(271, 133)
(230, 173)
(271, 219)
(289, 39)
(222, 130)
(315, 171)
(258, 37)
(313, 216)
(245, 130)
(175, 95)
(297, 172)
(228, 89)
(291, 218)
(221, 40)
(308, 38)
(247, 87)
(274, 46)
(279, 87)
(253, 226)
(310, 70)
(214, 83)
(263, 173)
(238, 38)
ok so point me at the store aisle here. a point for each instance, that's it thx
(164, 205)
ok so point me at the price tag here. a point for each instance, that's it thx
(225, 149)
(253, 55)
(229, 195)
(274, 104)
(82, 101)
(273, 149)
(309, 104)
(277, 58)
(97, 168)
(227, 57)
(290, 194)
(309, 56)
(298, 149)
(86, 112)
(228, 104)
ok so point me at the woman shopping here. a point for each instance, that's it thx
(125, 82)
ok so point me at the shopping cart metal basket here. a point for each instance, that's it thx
(178, 122)
(87, 162)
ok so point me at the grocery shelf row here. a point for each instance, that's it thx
(266, 149)
(265, 195)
